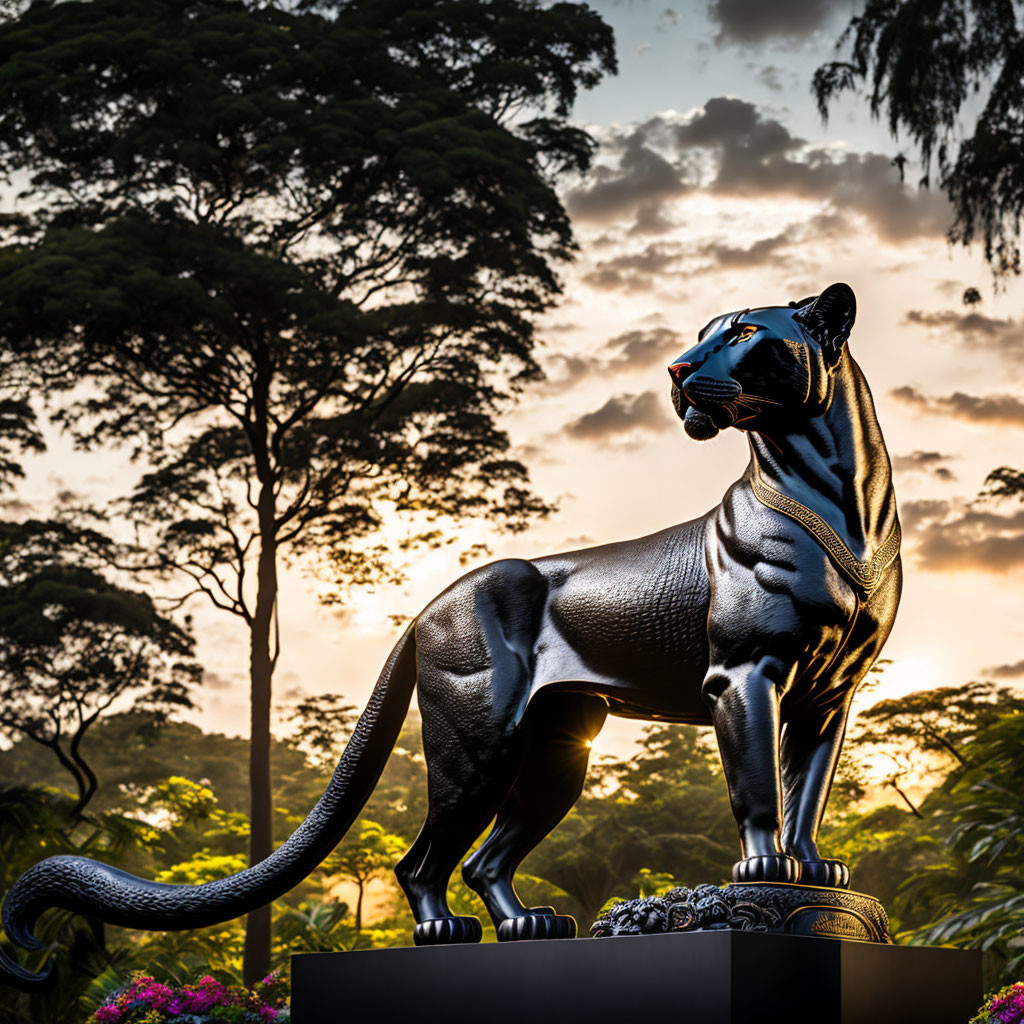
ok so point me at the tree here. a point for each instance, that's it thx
(975, 896)
(74, 644)
(940, 722)
(364, 856)
(322, 726)
(922, 62)
(299, 247)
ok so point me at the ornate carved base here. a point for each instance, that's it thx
(751, 907)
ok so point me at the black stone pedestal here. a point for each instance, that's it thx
(713, 977)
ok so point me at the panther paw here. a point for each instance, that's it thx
(778, 867)
(537, 926)
(445, 931)
(831, 874)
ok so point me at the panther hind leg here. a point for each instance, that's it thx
(558, 732)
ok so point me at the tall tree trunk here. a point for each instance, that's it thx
(91, 782)
(256, 964)
(80, 781)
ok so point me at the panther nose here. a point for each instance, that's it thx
(711, 390)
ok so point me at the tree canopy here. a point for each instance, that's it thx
(297, 249)
(74, 644)
(924, 65)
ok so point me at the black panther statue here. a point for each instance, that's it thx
(759, 618)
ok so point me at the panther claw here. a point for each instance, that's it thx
(779, 867)
(829, 874)
(537, 926)
(445, 931)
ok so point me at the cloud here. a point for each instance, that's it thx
(621, 414)
(753, 21)
(764, 250)
(773, 77)
(642, 177)
(736, 126)
(1014, 671)
(975, 329)
(637, 350)
(635, 271)
(651, 220)
(1005, 409)
(732, 148)
(924, 462)
(217, 681)
(759, 156)
(956, 538)
(633, 350)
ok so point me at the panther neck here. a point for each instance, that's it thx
(835, 464)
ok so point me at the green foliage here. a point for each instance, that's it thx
(298, 249)
(365, 853)
(922, 62)
(74, 643)
(322, 726)
(976, 896)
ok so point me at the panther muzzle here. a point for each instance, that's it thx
(708, 410)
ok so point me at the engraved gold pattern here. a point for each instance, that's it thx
(864, 574)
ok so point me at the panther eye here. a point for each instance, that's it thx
(744, 333)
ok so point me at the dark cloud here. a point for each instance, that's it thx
(651, 220)
(758, 156)
(764, 250)
(914, 513)
(771, 77)
(215, 681)
(621, 414)
(635, 271)
(634, 350)
(1014, 671)
(738, 128)
(950, 538)
(643, 177)
(1005, 409)
(730, 147)
(753, 21)
(975, 329)
(565, 371)
(924, 462)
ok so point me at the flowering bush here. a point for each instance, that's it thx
(145, 1001)
(1005, 1007)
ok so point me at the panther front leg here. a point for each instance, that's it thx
(811, 742)
(744, 703)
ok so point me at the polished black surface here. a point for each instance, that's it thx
(714, 977)
(754, 618)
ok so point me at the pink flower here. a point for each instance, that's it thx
(268, 1013)
(156, 995)
(108, 1013)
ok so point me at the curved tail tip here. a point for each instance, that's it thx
(13, 975)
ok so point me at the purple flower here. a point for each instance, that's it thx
(268, 1013)
(156, 995)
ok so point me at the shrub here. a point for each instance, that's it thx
(145, 1001)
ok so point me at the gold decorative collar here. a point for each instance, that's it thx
(865, 574)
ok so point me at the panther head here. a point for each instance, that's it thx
(757, 366)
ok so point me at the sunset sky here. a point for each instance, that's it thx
(717, 187)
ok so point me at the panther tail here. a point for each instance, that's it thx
(85, 886)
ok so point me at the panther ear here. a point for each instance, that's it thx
(829, 320)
